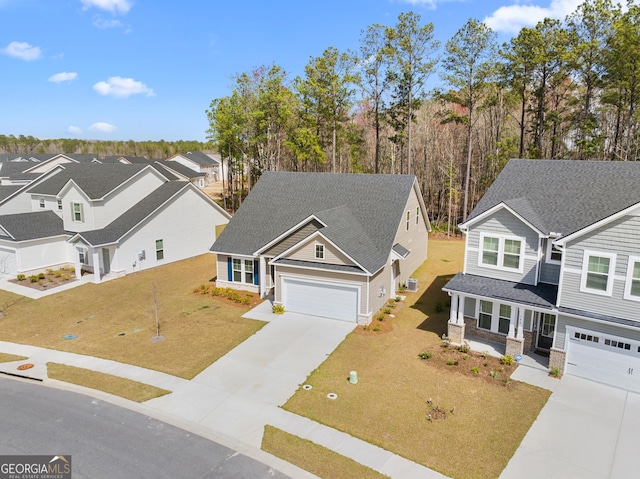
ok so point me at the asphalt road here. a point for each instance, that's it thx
(106, 441)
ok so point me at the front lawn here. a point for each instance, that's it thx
(116, 319)
(479, 423)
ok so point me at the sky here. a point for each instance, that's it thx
(149, 69)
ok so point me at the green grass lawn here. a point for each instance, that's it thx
(389, 405)
(197, 329)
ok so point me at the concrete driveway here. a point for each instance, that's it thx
(587, 430)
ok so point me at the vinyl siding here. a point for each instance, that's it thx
(549, 272)
(619, 237)
(332, 255)
(415, 239)
(74, 195)
(50, 165)
(503, 223)
(294, 238)
(606, 328)
(38, 255)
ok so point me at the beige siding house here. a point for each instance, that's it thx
(331, 245)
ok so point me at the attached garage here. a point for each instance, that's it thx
(321, 298)
(8, 263)
(604, 358)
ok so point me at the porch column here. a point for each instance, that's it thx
(512, 328)
(453, 314)
(263, 276)
(96, 266)
(76, 264)
(461, 309)
(520, 333)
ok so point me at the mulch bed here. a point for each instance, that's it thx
(52, 279)
(477, 365)
(382, 322)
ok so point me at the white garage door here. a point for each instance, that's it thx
(329, 300)
(604, 358)
(8, 264)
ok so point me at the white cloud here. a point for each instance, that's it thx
(511, 18)
(103, 24)
(23, 51)
(113, 6)
(102, 127)
(63, 76)
(74, 130)
(122, 87)
(432, 4)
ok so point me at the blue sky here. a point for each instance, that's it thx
(148, 69)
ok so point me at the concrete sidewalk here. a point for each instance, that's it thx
(234, 398)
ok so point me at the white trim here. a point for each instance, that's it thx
(423, 207)
(281, 265)
(499, 207)
(315, 250)
(585, 270)
(599, 321)
(311, 237)
(550, 246)
(629, 279)
(287, 233)
(466, 248)
(597, 224)
(501, 240)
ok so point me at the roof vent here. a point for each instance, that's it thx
(412, 285)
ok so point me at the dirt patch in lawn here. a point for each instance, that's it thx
(397, 391)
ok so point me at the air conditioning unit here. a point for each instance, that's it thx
(412, 285)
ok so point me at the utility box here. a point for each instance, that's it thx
(412, 285)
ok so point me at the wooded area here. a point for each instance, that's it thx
(561, 90)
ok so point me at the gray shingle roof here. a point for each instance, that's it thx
(131, 159)
(401, 250)
(362, 212)
(180, 169)
(134, 215)
(8, 190)
(34, 225)
(563, 196)
(543, 296)
(200, 158)
(95, 180)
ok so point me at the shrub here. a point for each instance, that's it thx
(49, 271)
(464, 348)
(402, 288)
(65, 277)
(465, 357)
(58, 273)
(475, 370)
(439, 307)
(506, 360)
(41, 276)
(554, 372)
(277, 309)
(33, 278)
(397, 299)
(380, 317)
(425, 355)
(366, 327)
(386, 311)
(21, 277)
(493, 374)
(451, 362)
(376, 327)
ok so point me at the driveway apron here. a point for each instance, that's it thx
(239, 393)
(586, 430)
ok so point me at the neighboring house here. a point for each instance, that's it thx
(199, 162)
(181, 172)
(324, 244)
(110, 219)
(552, 262)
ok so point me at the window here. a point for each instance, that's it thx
(554, 254)
(59, 205)
(159, 249)
(41, 202)
(548, 325)
(241, 271)
(632, 286)
(501, 253)
(82, 255)
(417, 215)
(248, 271)
(504, 319)
(484, 314)
(408, 219)
(319, 251)
(596, 273)
(76, 209)
(586, 337)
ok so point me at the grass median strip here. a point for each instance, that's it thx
(7, 358)
(314, 458)
(126, 388)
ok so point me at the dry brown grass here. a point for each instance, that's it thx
(7, 358)
(311, 457)
(389, 405)
(126, 388)
(197, 329)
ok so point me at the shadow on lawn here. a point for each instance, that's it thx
(432, 300)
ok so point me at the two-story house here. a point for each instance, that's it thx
(552, 262)
(110, 219)
(325, 244)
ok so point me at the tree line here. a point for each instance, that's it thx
(564, 89)
(26, 145)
